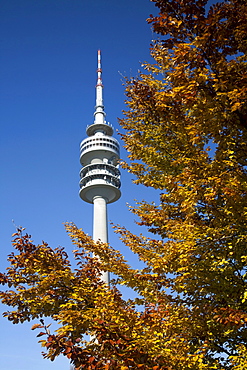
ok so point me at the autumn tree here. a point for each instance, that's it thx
(186, 132)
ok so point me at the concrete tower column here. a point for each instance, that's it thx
(100, 231)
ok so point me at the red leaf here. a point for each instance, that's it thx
(68, 350)
(41, 333)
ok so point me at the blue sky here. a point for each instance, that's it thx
(48, 74)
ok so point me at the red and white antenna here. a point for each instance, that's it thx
(99, 70)
(99, 108)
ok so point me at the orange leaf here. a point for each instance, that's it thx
(35, 326)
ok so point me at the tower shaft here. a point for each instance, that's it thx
(100, 229)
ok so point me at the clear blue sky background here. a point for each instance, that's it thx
(48, 74)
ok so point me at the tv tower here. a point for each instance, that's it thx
(100, 176)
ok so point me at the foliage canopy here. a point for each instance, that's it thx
(186, 132)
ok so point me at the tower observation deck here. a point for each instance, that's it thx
(99, 156)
